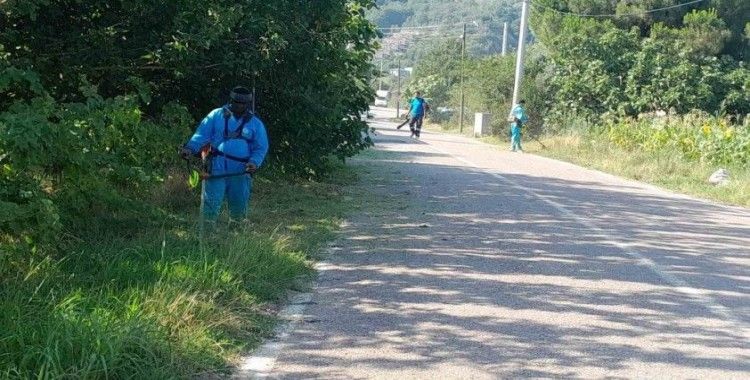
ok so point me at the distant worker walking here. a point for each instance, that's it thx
(518, 118)
(417, 108)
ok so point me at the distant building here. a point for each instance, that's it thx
(405, 71)
(381, 98)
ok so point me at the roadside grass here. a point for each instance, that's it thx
(665, 168)
(158, 303)
(451, 128)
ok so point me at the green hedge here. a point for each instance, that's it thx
(96, 95)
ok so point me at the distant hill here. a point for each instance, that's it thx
(484, 20)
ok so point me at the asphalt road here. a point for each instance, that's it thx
(474, 262)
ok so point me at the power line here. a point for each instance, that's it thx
(435, 26)
(534, 4)
(428, 34)
(402, 41)
(416, 27)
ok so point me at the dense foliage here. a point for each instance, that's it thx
(617, 72)
(96, 95)
(101, 272)
(672, 61)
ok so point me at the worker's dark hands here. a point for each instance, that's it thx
(185, 153)
(251, 168)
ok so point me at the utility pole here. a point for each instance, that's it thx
(398, 95)
(505, 38)
(463, 57)
(380, 85)
(519, 52)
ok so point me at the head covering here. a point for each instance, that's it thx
(241, 95)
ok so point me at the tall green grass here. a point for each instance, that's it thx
(695, 137)
(158, 303)
(666, 167)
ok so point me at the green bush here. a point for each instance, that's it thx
(96, 96)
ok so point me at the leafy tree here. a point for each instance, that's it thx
(628, 63)
(704, 33)
(737, 84)
(96, 95)
(591, 60)
(677, 69)
(437, 72)
(735, 14)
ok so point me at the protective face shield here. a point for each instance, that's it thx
(239, 101)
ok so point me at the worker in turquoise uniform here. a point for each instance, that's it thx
(417, 108)
(238, 145)
(518, 118)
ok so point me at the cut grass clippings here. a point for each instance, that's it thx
(161, 304)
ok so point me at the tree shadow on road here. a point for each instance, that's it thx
(459, 265)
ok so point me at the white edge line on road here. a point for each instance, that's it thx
(679, 285)
(260, 363)
(263, 360)
(644, 185)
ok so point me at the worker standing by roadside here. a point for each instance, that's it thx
(236, 142)
(518, 118)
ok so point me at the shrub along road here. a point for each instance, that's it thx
(481, 263)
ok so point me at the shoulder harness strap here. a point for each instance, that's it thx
(237, 134)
